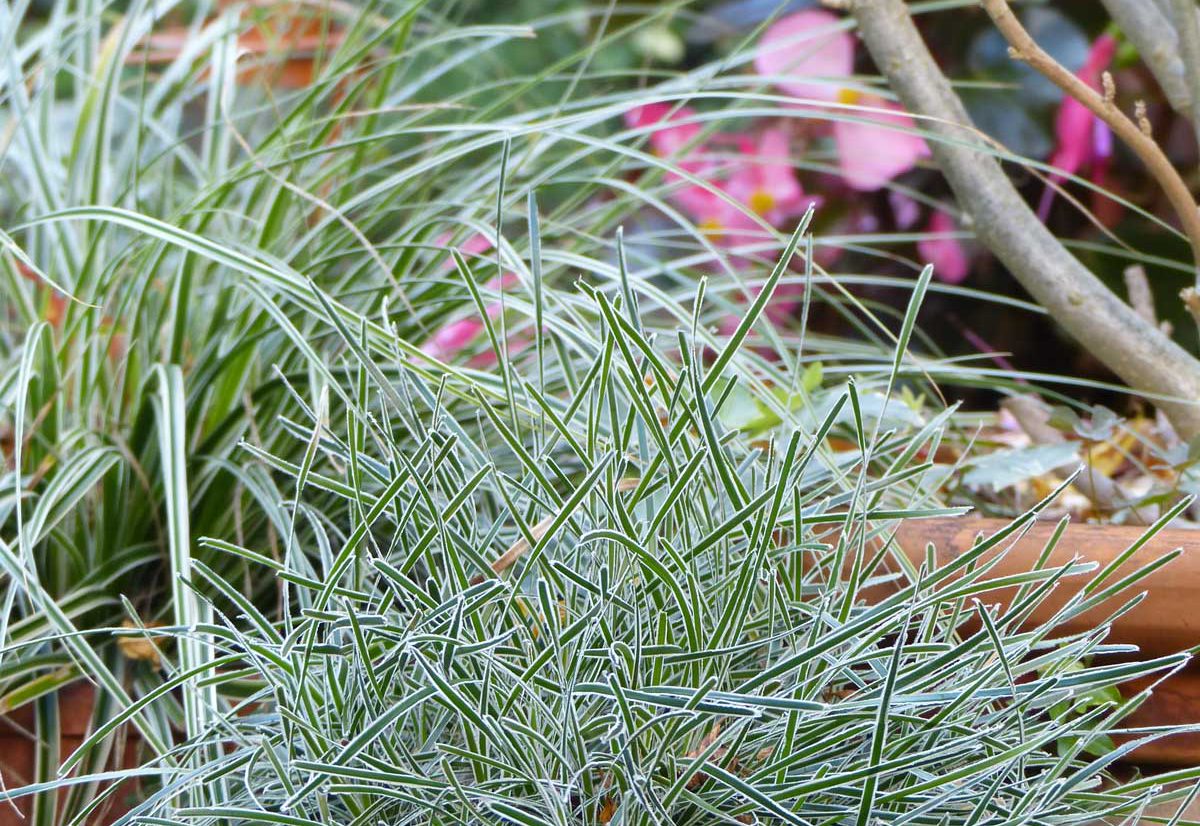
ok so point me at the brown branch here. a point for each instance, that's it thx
(1191, 302)
(1026, 49)
(1187, 25)
(521, 546)
(1151, 31)
(1134, 349)
(1137, 287)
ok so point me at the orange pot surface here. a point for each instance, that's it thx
(1163, 623)
(1174, 702)
(17, 752)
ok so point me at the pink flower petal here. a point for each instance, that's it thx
(1073, 130)
(455, 336)
(777, 176)
(1073, 125)
(905, 210)
(871, 154)
(1102, 52)
(677, 143)
(451, 339)
(666, 141)
(699, 202)
(475, 245)
(766, 181)
(948, 256)
(497, 284)
(805, 48)
(516, 345)
(1078, 141)
(784, 303)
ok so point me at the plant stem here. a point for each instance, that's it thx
(1136, 136)
(1188, 26)
(1149, 29)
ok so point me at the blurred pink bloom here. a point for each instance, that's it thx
(667, 140)
(864, 221)
(1074, 125)
(705, 205)
(455, 336)
(675, 142)
(762, 183)
(516, 344)
(809, 46)
(473, 247)
(784, 303)
(871, 154)
(768, 186)
(726, 224)
(782, 308)
(806, 48)
(766, 181)
(948, 256)
(1083, 140)
(905, 210)
(1102, 151)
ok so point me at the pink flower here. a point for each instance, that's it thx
(1074, 127)
(766, 181)
(1083, 140)
(726, 224)
(669, 141)
(940, 248)
(905, 209)
(678, 144)
(456, 336)
(473, 247)
(516, 345)
(762, 185)
(871, 153)
(784, 303)
(806, 47)
(801, 50)
(451, 339)
(763, 182)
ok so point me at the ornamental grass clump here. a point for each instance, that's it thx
(605, 606)
(446, 441)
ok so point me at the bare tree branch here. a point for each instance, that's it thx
(1188, 26)
(1134, 135)
(1150, 29)
(1135, 350)
(1137, 286)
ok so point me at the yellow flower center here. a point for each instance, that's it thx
(711, 227)
(848, 96)
(762, 201)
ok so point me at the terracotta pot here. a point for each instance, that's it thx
(282, 49)
(295, 71)
(1174, 702)
(17, 749)
(1163, 623)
